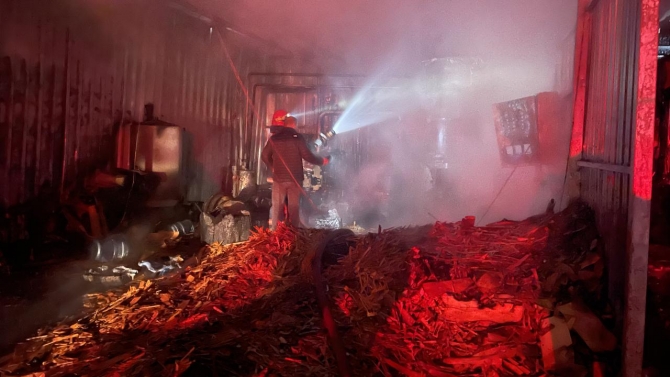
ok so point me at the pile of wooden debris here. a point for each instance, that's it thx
(447, 300)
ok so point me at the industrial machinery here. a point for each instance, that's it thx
(446, 81)
(154, 146)
(147, 175)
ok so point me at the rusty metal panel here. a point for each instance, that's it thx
(70, 78)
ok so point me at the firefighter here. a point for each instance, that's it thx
(283, 155)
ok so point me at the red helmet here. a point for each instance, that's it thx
(279, 117)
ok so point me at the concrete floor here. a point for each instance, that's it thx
(32, 297)
(52, 288)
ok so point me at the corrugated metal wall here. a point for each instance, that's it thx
(609, 125)
(72, 71)
(615, 148)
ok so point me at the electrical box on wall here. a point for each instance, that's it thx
(527, 129)
(517, 131)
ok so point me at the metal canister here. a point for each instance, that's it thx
(112, 248)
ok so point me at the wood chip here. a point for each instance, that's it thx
(437, 289)
(462, 311)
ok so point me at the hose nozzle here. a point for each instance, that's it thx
(327, 136)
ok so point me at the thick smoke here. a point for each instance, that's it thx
(521, 45)
(360, 36)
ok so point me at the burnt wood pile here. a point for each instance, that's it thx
(508, 299)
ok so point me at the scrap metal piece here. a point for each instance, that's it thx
(161, 268)
(116, 277)
(330, 221)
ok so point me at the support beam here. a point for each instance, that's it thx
(582, 45)
(606, 167)
(641, 181)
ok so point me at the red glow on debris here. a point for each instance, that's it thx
(193, 321)
(345, 303)
(440, 301)
(125, 367)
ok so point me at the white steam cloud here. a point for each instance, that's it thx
(521, 44)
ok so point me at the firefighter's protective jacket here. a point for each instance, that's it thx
(284, 153)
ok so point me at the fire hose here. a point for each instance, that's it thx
(324, 304)
(320, 284)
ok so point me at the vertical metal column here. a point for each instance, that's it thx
(582, 46)
(641, 182)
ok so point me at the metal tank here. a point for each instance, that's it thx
(446, 85)
(154, 146)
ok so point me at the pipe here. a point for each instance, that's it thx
(254, 134)
(190, 12)
(277, 86)
(322, 298)
(217, 22)
(65, 117)
(315, 75)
